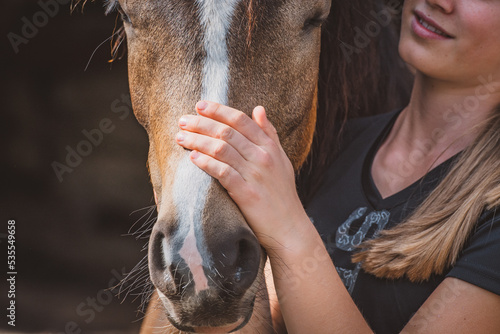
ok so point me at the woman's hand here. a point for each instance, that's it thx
(246, 157)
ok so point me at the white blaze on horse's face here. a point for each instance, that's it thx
(190, 191)
(216, 17)
(191, 185)
(204, 260)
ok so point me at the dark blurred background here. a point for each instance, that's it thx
(70, 229)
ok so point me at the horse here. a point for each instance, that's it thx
(206, 264)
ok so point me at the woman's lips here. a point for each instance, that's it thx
(426, 28)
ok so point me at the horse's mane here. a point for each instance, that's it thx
(372, 81)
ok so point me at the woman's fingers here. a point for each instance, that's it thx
(235, 119)
(218, 131)
(235, 143)
(228, 177)
(216, 148)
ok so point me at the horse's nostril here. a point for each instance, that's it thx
(158, 261)
(240, 273)
(181, 277)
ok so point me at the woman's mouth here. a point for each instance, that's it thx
(426, 28)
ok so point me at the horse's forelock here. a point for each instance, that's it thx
(119, 32)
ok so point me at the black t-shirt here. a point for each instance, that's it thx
(348, 209)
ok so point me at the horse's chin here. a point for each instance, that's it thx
(216, 324)
(231, 328)
(224, 329)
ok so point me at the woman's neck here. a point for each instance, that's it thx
(448, 115)
(440, 121)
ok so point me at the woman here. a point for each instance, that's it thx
(410, 198)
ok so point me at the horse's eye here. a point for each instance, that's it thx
(315, 21)
(124, 16)
(114, 5)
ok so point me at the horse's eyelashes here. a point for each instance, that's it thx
(114, 6)
(119, 33)
(124, 16)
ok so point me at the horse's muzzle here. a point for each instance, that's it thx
(199, 270)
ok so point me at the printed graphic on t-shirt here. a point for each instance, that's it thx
(350, 235)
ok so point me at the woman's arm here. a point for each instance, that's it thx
(246, 157)
(459, 307)
(312, 297)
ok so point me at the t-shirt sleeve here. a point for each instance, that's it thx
(479, 263)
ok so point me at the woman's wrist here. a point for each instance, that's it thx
(298, 239)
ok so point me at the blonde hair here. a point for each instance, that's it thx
(431, 239)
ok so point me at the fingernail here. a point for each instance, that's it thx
(183, 121)
(195, 155)
(201, 105)
(180, 137)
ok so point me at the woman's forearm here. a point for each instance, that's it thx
(302, 267)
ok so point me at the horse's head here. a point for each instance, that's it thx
(204, 260)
